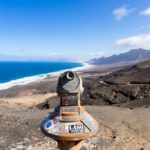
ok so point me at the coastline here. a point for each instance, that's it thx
(40, 77)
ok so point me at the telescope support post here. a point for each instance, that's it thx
(70, 145)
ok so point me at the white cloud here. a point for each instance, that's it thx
(121, 12)
(145, 12)
(139, 41)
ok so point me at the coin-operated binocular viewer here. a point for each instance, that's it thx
(70, 123)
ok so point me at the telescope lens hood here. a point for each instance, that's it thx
(70, 75)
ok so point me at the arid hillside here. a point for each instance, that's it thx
(123, 87)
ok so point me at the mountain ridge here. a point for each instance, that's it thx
(132, 56)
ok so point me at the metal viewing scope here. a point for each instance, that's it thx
(70, 123)
(69, 88)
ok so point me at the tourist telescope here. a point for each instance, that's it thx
(70, 123)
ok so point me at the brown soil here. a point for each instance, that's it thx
(120, 128)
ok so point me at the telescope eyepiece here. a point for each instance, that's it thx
(70, 75)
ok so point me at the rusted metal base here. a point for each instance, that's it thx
(70, 145)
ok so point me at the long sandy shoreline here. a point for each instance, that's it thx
(86, 69)
(38, 78)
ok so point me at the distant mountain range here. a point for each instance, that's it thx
(132, 56)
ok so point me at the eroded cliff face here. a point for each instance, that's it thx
(123, 86)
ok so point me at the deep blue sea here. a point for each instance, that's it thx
(15, 70)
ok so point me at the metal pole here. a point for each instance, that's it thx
(70, 145)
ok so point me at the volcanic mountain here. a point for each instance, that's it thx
(130, 57)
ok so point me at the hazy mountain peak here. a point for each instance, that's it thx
(134, 55)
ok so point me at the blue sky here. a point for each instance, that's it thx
(72, 29)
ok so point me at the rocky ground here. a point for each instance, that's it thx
(120, 128)
(123, 87)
